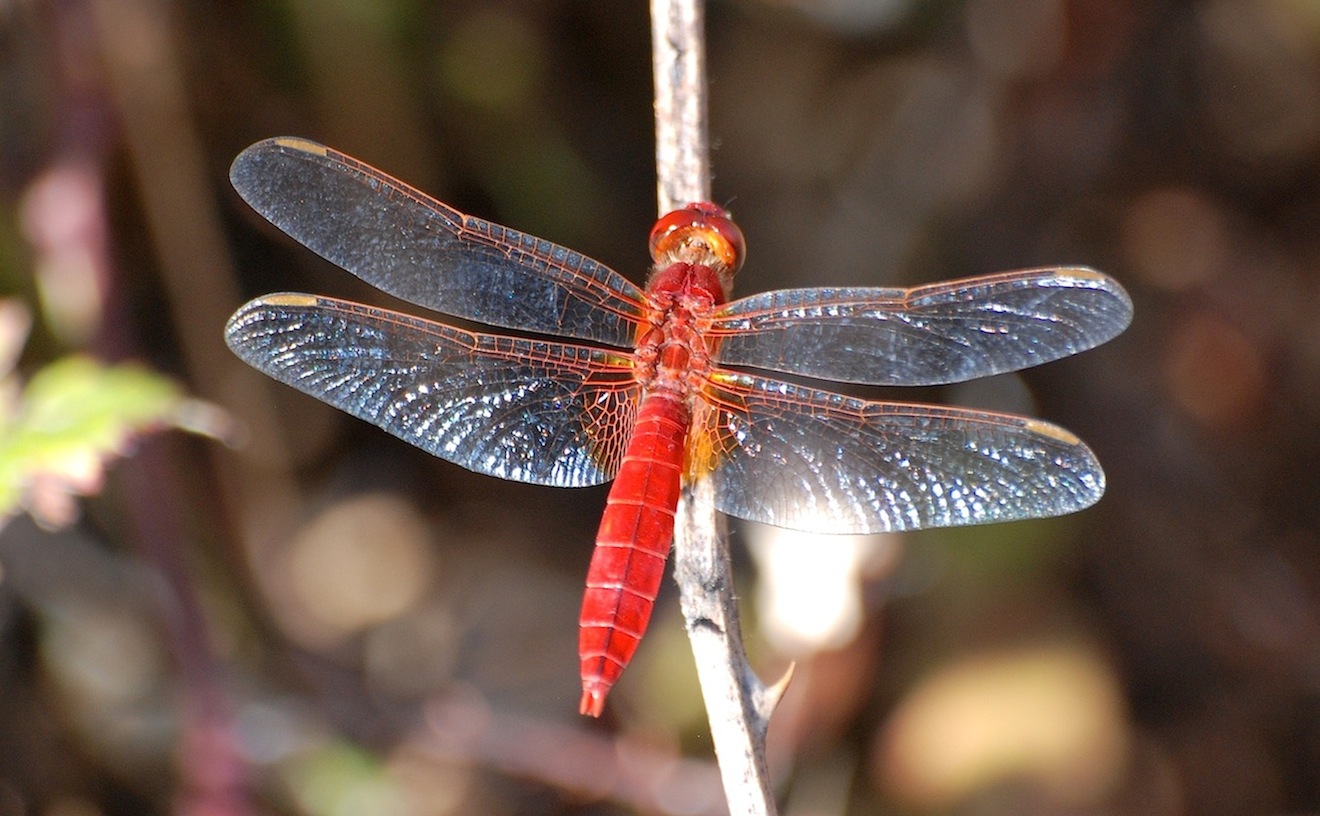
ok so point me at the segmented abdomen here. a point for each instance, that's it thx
(631, 547)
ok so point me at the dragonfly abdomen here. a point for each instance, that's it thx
(631, 547)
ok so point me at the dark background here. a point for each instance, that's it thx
(326, 621)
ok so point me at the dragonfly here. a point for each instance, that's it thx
(660, 393)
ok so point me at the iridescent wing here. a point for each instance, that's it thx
(813, 460)
(526, 410)
(942, 333)
(408, 244)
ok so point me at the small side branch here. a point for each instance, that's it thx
(738, 704)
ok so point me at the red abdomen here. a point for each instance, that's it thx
(631, 547)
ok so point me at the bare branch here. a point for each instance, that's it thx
(678, 59)
(738, 705)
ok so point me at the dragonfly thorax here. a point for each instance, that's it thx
(671, 349)
(695, 286)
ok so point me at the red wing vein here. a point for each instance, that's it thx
(406, 243)
(526, 410)
(942, 333)
(813, 460)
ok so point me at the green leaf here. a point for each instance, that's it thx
(74, 416)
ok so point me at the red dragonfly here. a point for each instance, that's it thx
(659, 406)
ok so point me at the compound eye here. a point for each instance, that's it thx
(703, 224)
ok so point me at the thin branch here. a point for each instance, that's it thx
(738, 705)
(678, 60)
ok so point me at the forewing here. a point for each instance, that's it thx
(813, 460)
(406, 243)
(526, 410)
(943, 333)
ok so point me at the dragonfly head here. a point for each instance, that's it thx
(702, 233)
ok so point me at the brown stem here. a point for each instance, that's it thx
(738, 705)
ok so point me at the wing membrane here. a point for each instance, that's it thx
(526, 410)
(813, 460)
(942, 333)
(414, 247)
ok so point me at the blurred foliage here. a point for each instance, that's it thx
(75, 414)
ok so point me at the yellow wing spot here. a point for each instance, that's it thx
(707, 443)
(619, 360)
(305, 145)
(700, 454)
(725, 377)
(1052, 431)
(1083, 272)
(290, 299)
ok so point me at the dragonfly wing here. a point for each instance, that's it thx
(813, 460)
(526, 410)
(404, 242)
(942, 333)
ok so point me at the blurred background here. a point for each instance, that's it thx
(307, 616)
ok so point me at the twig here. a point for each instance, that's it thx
(678, 60)
(738, 705)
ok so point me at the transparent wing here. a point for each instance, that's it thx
(941, 333)
(526, 410)
(406, 243)
(813, 460)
